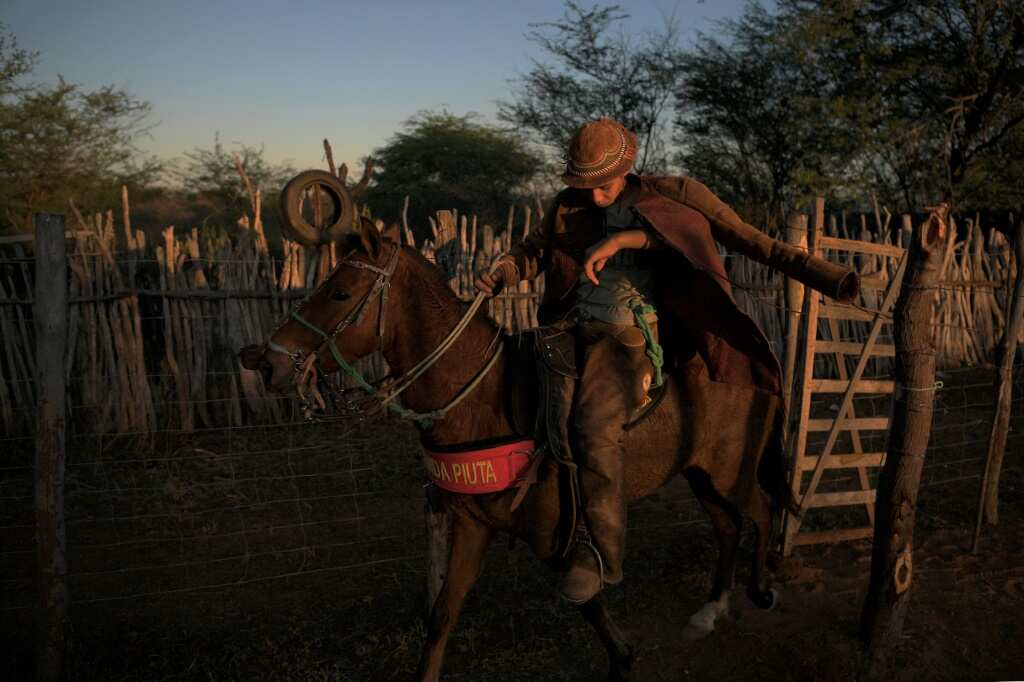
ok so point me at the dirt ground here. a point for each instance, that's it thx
(338, 594)
(964, 621)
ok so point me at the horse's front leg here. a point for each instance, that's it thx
(621, 655)
(469, 542)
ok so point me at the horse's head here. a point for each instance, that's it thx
(343, 319)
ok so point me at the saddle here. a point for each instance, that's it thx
(538, 350)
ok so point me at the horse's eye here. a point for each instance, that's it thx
(339, 295)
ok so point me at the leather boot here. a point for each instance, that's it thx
(600, 543)
(604, 509)
(611, 388)
(585, 576)
(557, 376)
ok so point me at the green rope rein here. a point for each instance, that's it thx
(424, 419)
(654, 349)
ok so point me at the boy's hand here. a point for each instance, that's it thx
(493, 282)
(598, 255)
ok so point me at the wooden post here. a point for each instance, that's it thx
(891, 558)
(809, 323)
(437, 545)
(988, 498)
(405, 224)
(796, 234)
(330, 158)
(50, 312)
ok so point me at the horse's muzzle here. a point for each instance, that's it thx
(254, 357)
(251, 356)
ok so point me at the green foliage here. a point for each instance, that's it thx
(906, 101)
(995, 181)
(14, 63)
(748, 122)
(211, 177)
(932, 89)
(597, 72)
(61, 142)
(443, 161)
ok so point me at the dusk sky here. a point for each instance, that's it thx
(286, 75)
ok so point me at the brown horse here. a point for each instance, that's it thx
(386, 297)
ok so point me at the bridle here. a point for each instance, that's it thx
(304, 362)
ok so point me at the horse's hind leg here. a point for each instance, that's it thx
(469, 542)
(727, 522)
(757, 588)
(620, 653)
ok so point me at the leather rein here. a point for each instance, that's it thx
(306, 363)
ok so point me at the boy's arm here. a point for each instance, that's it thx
(598, 255)
(525, 260)
(732, 232)
(531, 256)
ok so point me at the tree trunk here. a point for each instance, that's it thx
(891, 559)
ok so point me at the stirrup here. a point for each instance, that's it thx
(583, 538)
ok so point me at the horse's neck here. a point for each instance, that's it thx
(429, 311)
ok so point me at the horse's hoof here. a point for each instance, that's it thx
(695, 633)
(621, 668)
(702, 623)
(766, 600)
(618, 674)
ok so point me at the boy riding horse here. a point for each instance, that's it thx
(624, 255)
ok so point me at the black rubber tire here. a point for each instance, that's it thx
(291, 201)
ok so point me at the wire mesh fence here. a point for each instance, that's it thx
(186, 482)
(182, 513)
(957, 449)
(169, 513)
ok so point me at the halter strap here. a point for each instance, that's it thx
(382, 286)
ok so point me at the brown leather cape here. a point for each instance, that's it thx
(695, 303)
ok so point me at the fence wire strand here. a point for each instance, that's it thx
(168, 511)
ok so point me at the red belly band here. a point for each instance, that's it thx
(488, 470)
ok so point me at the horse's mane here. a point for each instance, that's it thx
(429, 283)
(436, 294)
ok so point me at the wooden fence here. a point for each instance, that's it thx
(154, 328)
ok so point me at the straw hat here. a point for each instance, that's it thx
(599, 152)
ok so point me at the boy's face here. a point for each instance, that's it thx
(605, 195)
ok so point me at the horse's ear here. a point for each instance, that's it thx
(370, 237)
(392, 233)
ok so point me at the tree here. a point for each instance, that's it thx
(443, 161)
(14, 63)
(60, 141)
(598, 74)
(210, 177)
(935, 88)
(746, 122)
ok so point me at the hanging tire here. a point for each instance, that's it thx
(340, 221)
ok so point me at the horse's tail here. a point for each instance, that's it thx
(772, 472)
(772, 476)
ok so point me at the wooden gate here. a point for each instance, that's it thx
(847, 384)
